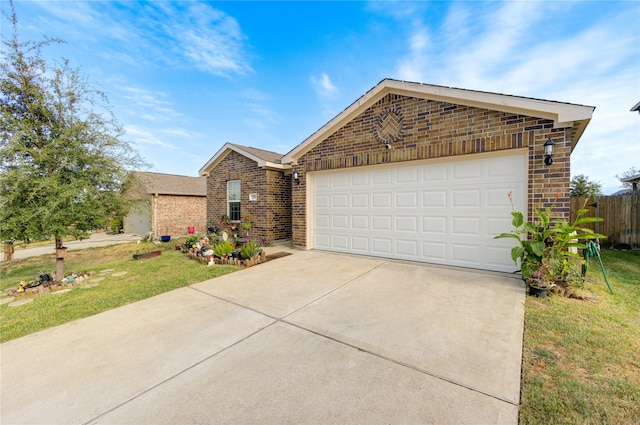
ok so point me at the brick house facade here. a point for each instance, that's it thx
(265, 190)
(397, 124)
(167, 204)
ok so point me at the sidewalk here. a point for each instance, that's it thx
(95, 239)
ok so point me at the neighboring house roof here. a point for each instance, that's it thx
(263, 158)
(634, 178)
(622, 192)
(171, 184)
(563, 115)
(636, 107)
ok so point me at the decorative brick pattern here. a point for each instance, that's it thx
(432, 129)
(270, 213)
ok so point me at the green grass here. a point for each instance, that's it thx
(144, 279)
(581, 359)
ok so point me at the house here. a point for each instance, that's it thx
(634, 181)
(420, 172)
(166, 204)
(244, 181)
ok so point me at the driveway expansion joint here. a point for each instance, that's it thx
(177, 374)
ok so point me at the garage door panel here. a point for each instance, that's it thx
(381, 200)
(360, 200)
(502, 167)
(323, 241)
(465, 198)
(407, 199)
(497, 198)
(382, 177)
(323, 201)
(340, 242)
(381, 223)
(443, 212)
(407, 224)
(382, 246)
(434, 198)
(407, 175)
(360, 222)
(323, 221)
(437, 173)
(360, 178)
(465, 226)
(407, 248)
(340, 180)
(466, 170)
(497, 225)
(434, 251)
(340, 201)
(434, 225)
(340, 222)
(360, 244)
(465, 253)
(499, 257)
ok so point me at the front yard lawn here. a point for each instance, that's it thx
(581, 359)
(143, 279)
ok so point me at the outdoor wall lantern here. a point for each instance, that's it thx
(548, 151)
(296, 176)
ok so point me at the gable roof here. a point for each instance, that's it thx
(562, 114)
(171, 184)
(264, 159)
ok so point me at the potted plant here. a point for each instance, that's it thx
(543, 249)
(223, 249)
(165, 237)
(538, 281)
(211, 228)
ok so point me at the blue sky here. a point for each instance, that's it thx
(184, 78)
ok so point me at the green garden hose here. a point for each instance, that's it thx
(593, 250)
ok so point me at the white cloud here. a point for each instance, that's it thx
(150, 105)
(141, 136)
(188, 34)
(323, 86)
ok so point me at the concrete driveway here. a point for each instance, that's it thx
(310, 338)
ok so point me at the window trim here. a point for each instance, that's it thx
(238, 201)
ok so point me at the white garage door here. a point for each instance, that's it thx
(436, 212)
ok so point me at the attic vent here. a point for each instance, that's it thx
(389, 125)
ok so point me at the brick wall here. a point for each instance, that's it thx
(174, 214)
(270, 213)
(278, 205)
(432, 129)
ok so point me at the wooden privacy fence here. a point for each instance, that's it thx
(620, 214)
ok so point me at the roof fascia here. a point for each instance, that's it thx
(226, 149)
(562, 114)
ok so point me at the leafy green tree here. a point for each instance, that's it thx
(64, 166)
(582, 186)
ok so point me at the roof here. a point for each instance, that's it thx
(634, 178)
(171, 184)
(264, 158)
(563, 115)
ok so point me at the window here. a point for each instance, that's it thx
(233, 199)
